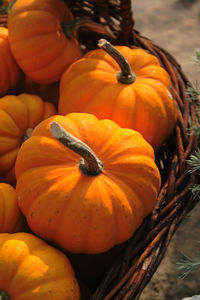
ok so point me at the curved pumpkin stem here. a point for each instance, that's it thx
(125, 75)
(4, 296)
(90, 164)
(85, 22)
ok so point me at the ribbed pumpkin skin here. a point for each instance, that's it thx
(37, 40)
(11, 218)
(146, 105)
(81, 213)
(17, 115)
(33, 270)
(10, 73)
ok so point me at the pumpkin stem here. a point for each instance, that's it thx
(26, 136)
(5, 8)
(89, 164)
(4, 296)
(85, 22)
(125, 75)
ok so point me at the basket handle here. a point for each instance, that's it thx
(123, 10)
(127, 20)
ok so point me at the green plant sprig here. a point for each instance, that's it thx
(196, 56)
(187, 265)
(194, 161)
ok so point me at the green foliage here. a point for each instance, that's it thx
(194, 161)
(195, 189)
(187, 265)
(196, 57)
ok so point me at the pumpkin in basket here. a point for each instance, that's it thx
(89, 200)
(10, 73)
(32, 270)
(18, 116)
(11, 218)
(140, 96)
(37, 38)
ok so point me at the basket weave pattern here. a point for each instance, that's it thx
(142, 254)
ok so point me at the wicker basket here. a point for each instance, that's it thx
(141, 255)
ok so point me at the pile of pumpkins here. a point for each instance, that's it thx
(78, 135)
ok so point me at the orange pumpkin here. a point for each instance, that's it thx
(10, 73)
(38, 41)
(32, 270)
(18, 116)
(87, 204)
(11, 218)
(137, 97)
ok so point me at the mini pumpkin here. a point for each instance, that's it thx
(11, 218)
(18, 116)
(32, 270)
(10, 73)
(139, 96)
(89, 200)
(37, 38)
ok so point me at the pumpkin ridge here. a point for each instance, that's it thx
(10, 68)
(84, 245)
(114, 215)
(81, 61)
(58, 61)
(34, 252)
(66, 205)
(103, 56)
(56, 11)
(35, 31)
(111, 109)
(9, 134)
(44, 280)
(145, 73)
(138, 186)
(4, 158)
(114, 140)
(139, 59)
(72, 201)
(11, 148)
(14, 273)
(114, 232)
(101, 90)
(45, 189)
(24, 98)
(14, 101)
(55, 55)
(123, 185)
(10, 62)
(70, 160)
(153, 134)
(79, 107)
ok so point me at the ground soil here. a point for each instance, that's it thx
(175, 26)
